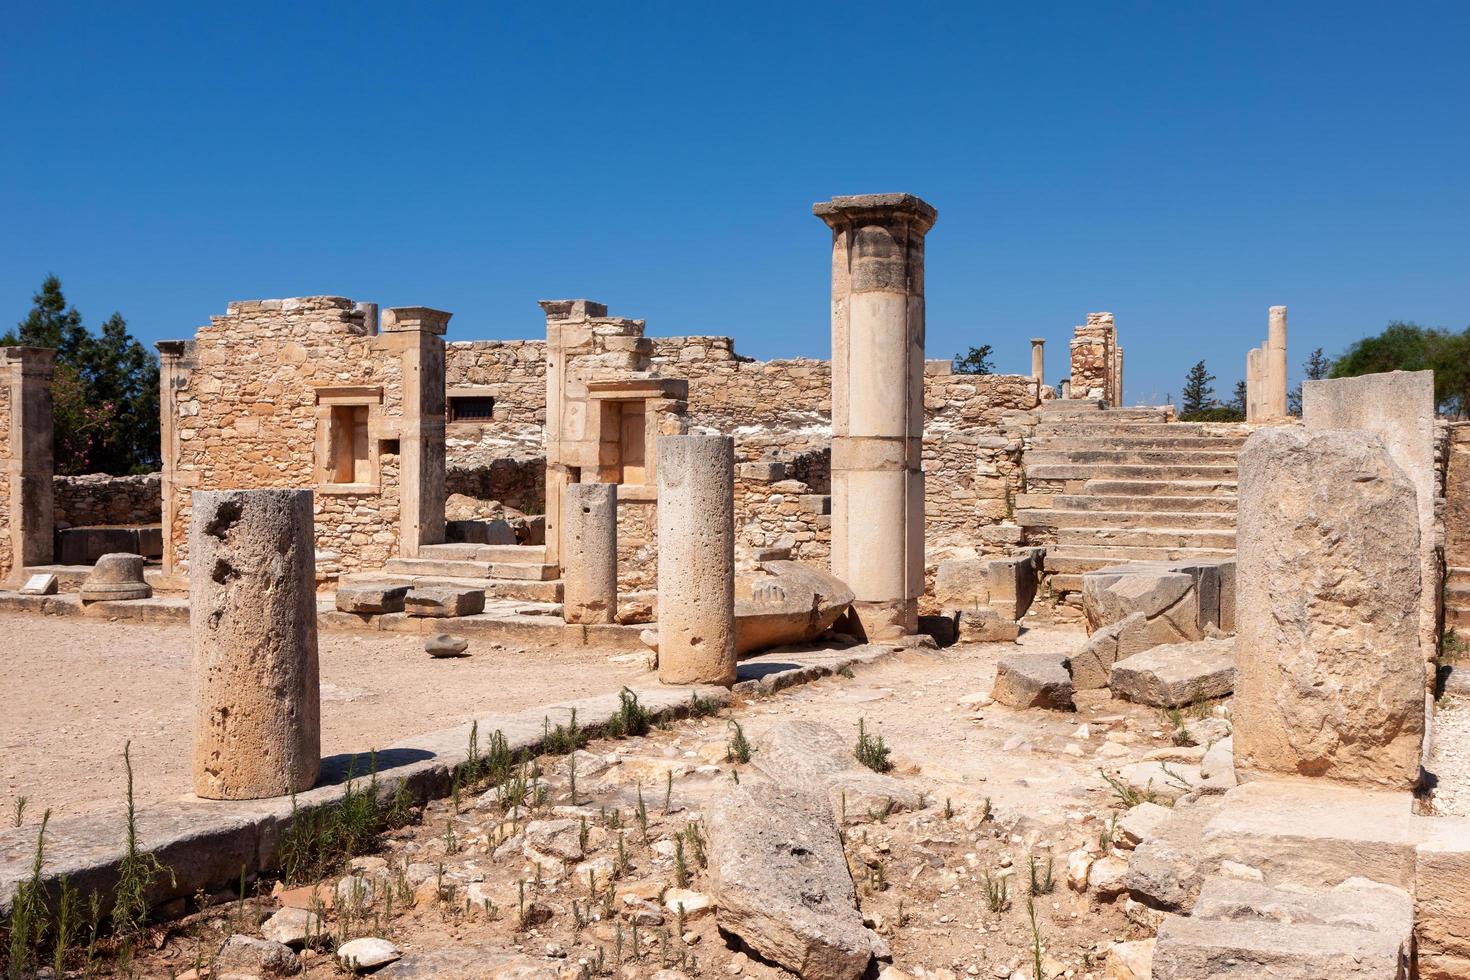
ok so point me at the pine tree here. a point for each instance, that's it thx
(1198, 394)
(105, 389)
(1316, 367)
(1237, 400)
(975, 362)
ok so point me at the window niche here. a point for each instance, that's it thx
(347, 423)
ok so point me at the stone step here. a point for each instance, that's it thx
(1153, 537)
(1083, 427)
(1163, 440)
(471, 569)
(1161, 488)
(1123, 519)
(1128, 471)
(519, 554)
(1132, 504)
(520, 589)
(1458, 617)
(1457, 576)
(1112, 554)
(1130, 457)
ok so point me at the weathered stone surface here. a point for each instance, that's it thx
(446, 645)
(809, 755)
(1140, 823)
(1176, 674)
(1330, 681)
(116, 576)
(257, 720)
(367, 953)
(1090, 666)
(468, 961)
(786, 602)
(371, 599)
(1442, 901)
(781, 882)
(1161, 779)
(442, 601)
(589, 556)
(1131, 960)
(1033, 680)
(1168, 600)
(255, 957)
(1217, 769)
(1166, 869)
(985, 625)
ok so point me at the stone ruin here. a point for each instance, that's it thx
(328, 467)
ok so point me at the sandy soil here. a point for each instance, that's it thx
(76, 690)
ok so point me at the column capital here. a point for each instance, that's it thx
(1037, 341)
(401, 319)
(859, 209)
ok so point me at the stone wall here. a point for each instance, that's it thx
(7, 550)
(100, 499)
(250, 404)
(1457, 496)
(513, 372)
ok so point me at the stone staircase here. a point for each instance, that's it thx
(504, 571)
(1105, 486)
(1457, 600)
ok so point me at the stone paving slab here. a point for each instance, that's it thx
(208, 844)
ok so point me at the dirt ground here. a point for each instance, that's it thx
(76, 690)
(1007, 791)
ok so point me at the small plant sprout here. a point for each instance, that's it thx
(700, 707)
(1041, 879)
(948, 809)
(642, 815)
(871, 750)
(137, 871)
(19, 810)
(681, 868)
(668, 791)
(737, 748)
(997, 897)
(1037, 973)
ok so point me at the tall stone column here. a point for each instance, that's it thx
(1038, 363)
(589, 562)
(1117, 375)
(696, 560)
(416, 333)
(878, 405)
(1275, 364)
(252, 602)
(1253, 385)
(29, 506)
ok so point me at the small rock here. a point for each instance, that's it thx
(1079, 864)
(695, 903)
(262, 957)
(1139, 824)
(292, 927)
(446, 645)
(1106, 876)
(1130, 960)
(367, 953)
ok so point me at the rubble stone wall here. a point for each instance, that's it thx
(101, 499)
(247, 415)
(1457, 496)
(7, 559)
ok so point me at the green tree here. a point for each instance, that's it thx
(1237, 399)
(1404, 346)
(1197, 394)
(105, 390)
(975, 362)
(1314, 368)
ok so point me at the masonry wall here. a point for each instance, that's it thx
(7, 550)
(246, 415)
(1457, 496)
(100, 499)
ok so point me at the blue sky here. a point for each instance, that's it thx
(1182, 165)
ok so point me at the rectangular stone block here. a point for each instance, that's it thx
(1442, 888)
(40, 585)
(763, 471)
(962, 583)
(439, 601)
(371, 599)
(1176, 674)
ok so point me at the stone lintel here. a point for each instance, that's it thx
(876, 209)
(572, 309)
(399, 319)
(31, 360)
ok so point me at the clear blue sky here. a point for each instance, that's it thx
(1182, 165)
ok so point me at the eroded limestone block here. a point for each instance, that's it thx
(786, 602)
(116, 576)
(1168, 600)
(1441, 901)
(443, 601)
(1176, 674)
(808, 755)
(781, 882)
(1329, 677)
(371, 599)
(1117, 641)
(1033, 680)
(252, 592)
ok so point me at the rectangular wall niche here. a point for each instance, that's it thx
(471, 408)
(347, 422)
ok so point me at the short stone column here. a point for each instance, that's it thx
(878, 405)
(1329, 678)
(696, 560)
(1275, 364)
(1038, 360)
(589, 564)
(252, 602)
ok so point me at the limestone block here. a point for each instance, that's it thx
(589, 555)
(1090, 666)
(1441, 901)
(1012, 583)
(1176, 674)
(1217, 769)
(1033, 680)
(252, 591)
(696, 560)
(1166, 869)
(371, 599)
(809, 755)
(443, 601)
(1167, 599)
(1329, 680)
(786, 602)
(116, 576)
(764, 471)
(1140, 823)
(984, 625)
(962, 583)
(781, 882)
